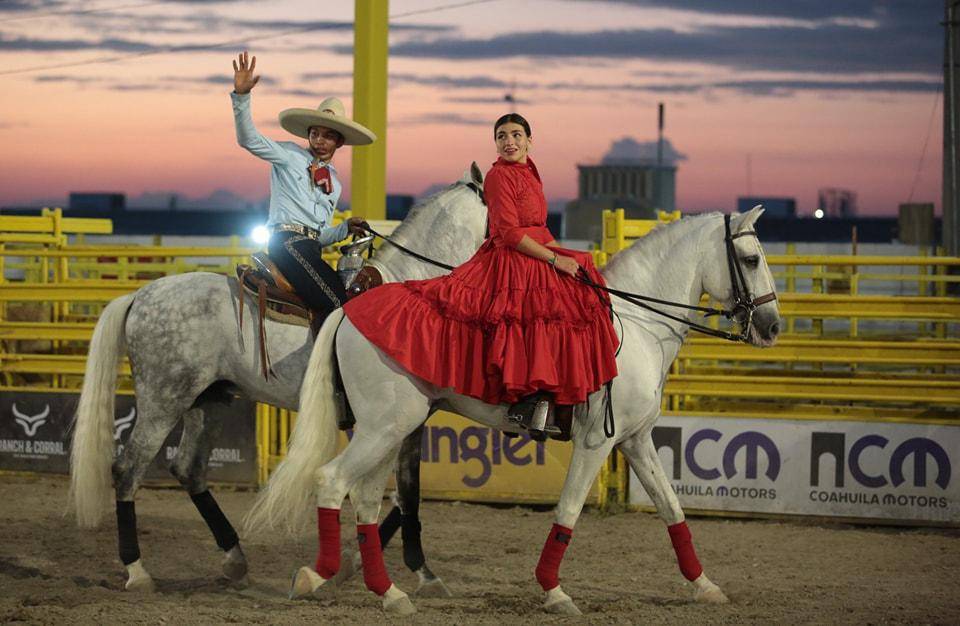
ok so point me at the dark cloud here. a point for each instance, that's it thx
(59, 45)
(794, 9)
(19, 6)
(331, 25)
(325, 75)
(451, 82)
(453, 119)
(430, 80)
(163, 82)
(486, 100)
(310, 93)
(216, 79)
(902, 37)
(136, 87)
(757, 87)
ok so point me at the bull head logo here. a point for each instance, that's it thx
(122, 423)
(31, 423)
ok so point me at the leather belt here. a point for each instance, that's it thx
(306, 231)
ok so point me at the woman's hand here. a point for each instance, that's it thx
(243, 78)
(567, 265)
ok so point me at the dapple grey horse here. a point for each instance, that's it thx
(187, 353)
(677, 262)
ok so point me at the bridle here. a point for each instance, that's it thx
(743, 303)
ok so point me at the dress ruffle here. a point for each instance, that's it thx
(497, 328)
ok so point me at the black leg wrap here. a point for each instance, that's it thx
(388, 527)
(127, 532)
(412, 548)
(218, 523)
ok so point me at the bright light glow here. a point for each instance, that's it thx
(818, 214)
(260, 235)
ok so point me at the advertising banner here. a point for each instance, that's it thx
(462, 459)
(35, 435)
(882, 470)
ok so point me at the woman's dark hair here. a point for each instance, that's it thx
(515, 118)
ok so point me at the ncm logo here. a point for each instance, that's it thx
(834, 444)
(750, 441)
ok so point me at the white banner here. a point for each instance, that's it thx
(810, 467)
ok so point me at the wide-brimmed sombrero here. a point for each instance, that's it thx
(329, 114)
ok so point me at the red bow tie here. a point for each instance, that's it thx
(320, 176)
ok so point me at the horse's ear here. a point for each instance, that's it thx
(476, 174)
(746, 221)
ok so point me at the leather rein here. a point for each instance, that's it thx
(744, 304)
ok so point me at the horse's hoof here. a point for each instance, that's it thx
(235, 564)
(432, 588)
(559, 603)
(397, 602)
(350, 564)
(138, 579)
(140, 585)
(706, 592)
(305, 583)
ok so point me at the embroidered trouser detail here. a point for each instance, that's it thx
(301, 261)
(288, 244)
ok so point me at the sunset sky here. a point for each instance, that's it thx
(127, 96)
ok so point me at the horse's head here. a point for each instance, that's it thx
(735, 272)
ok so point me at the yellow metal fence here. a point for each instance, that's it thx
(838, 348)
(51, 292)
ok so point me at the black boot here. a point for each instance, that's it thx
(563, 419)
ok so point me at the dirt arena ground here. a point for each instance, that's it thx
(619, 569)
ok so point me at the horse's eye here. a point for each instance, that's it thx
(752, 261)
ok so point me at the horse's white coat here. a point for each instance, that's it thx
(181, 335)
(676, 262)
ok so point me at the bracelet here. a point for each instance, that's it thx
(553, 261)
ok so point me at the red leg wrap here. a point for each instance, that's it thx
(548, 569)
(683, 545)
(374, 571)
(328, 550)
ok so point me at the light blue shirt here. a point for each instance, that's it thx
(294, 199)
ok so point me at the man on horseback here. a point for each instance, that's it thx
(304, 187)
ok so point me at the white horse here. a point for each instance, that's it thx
(676, 262)
(187, 354)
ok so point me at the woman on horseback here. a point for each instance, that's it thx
(512, 324)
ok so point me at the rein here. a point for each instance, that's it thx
(473, 186)
(743, 303)
(406, 250)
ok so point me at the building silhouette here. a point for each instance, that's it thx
(636, 177)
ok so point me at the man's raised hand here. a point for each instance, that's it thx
(243, 78)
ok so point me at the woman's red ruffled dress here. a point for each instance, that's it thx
(504, 324)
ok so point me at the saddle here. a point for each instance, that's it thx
(277, 300)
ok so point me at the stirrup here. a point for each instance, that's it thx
(535, 413)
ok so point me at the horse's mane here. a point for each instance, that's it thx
(418, 208)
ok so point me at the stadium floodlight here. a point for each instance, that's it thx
(818, 214)
(260, 235)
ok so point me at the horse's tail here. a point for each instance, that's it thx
(92, 451)
(287, 499)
